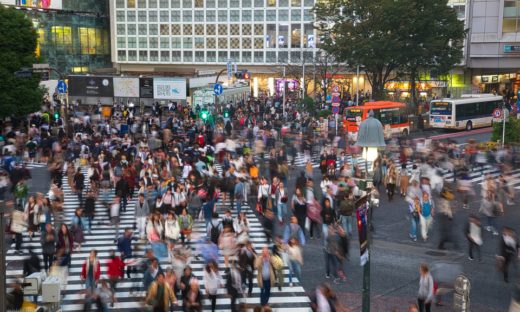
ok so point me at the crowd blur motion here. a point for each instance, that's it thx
(156, 176)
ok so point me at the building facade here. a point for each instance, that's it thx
(493, 55)
(73, 36)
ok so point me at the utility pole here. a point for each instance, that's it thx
(357, 86)
(284, 87)
(303, 79)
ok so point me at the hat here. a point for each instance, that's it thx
(342, 184)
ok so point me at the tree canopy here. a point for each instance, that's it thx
(18, 39)
(387, 36)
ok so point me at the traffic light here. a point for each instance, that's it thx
(226, 114)
(56, 115)
(204, 115)
(243, 74)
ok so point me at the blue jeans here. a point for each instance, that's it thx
(265, 292)
(413, 227)
(281, 211)
(491, 222)
(239, 206)
(347, 223)
(331, 264)
(295, 268)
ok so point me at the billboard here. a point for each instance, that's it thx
(126, 87)
(39, 4)
(146, 88)
(169, 88)
(91, 86)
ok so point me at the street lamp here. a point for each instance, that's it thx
(370, 138)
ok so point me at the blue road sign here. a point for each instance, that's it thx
(62, 87)
(335, 109)
(217, 88)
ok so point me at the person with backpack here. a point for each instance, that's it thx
(214, 228)
(346, 213)
(79, 185)
(293, 230)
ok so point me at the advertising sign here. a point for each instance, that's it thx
(91, 86)
(39, 4)
(310, 41)
(126, 87)
(362, 223)
(146, 88)
(281, 41)
(169, 88)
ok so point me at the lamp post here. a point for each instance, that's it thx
(370, 138)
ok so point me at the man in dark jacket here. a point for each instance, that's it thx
(122, 190)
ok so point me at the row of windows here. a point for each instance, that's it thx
(189, 4)
(221, 29)
(474, 110)
(77, 40)
(511, 21)
(212, 16)
(210, 56)
(206, 43)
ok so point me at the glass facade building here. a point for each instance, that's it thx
(73, 36)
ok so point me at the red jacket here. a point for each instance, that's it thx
(97, 270)
(115, 267)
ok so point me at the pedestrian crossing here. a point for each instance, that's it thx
(102, 238)
(31, 165)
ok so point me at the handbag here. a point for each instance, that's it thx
(42, 218)
(258, 207)
(269, 203)
(307, 224)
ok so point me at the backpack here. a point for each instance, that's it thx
(214, 233)
(346, 207)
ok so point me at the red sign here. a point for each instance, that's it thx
(497, 113)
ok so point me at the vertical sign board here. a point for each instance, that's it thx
(362, 225)
(146, 88)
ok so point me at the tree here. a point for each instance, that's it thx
(325, 67)
(385, 36)
(18, 96)
(512, 133)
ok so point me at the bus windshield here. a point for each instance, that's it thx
(352, 114)
(440, 108)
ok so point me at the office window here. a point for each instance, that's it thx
(296, 57)
(222, 4)
(165, 56)
(152, 4)
(199, 3)
(186, 16)
(199, 16)
(246, 30)
(511, 21)
(222, 30)
(143, 42)
(163, 4)
(234, 4)
(283, 3)
(176, 43)
(211, 56)
(234, 43)
(308, 16)
(283, 15)
(210, 16)
(175, 4)
(282, 57)
(187, 4)
(210, 4)
(132, 55)
(199, 43)
(176, 56)
(246, 3)
(187, 43)
(141, 16)
(270, 15)
(296, 15)
(154, 56)
(152, 16)
(246, 57)
(120, 4)
(222, 16)
(211, 43)
(234, 30)
(271, 3)
(234, 15)
(259, 3)
(308, 57)
(121, 29)
(270, 57)
(308, 3)
(143, 56)
(153, 29)
(235, 56)
(296, 3)
(259, 29)
(131, 29)
(132, 42)
(308, 33)
(222, 56)
(199, 30)
(165, 42)
(270, 38)
(165, 30)
(121, 55)
(246, 15)
(296, 33)
(222, 43)
(283, 36)
(165, 16)
(187, 30)
(120, 16)
(130, 16)
(259, 43)
(246, 43)
(176, 16)
(121, 42)
(259, 15)
(154, 42)
(199, 56)
(141, 4)
(211, 30)
(130, 3)
(259, 57)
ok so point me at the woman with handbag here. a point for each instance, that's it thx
(299, 207)
(77, 228)
(413, 210)
(172, 229)
(281, 202)
(186, 225)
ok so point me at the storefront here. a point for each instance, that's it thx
(498, 83)
(401, 90)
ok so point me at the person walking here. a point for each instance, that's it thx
(115, 272)
(79, 185)
(65, 245)
(508, 251)
(265, 275)
(90, 274)
(48, 240)
(425, 294)
(294, 253)
(141, 212)
(212, 282)
(234, 285)
(474, 235)
(426, 215)
(160, 295)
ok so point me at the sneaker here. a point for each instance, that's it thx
(495, 233)
(470, 259)
(327, 276)
(290, 284)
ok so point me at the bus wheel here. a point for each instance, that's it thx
(405, 132)
(469, 126)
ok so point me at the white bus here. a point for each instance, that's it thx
(467, 112)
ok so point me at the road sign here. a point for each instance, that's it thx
(335, 89)
(217, 89)
(41, 68)
(229, 69)
(497, 113)
(62, 87)
(335, 109)
(336, 98)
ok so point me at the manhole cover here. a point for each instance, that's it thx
(435, 253)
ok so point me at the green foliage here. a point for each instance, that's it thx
(324, 113)
(18, 96)
(512, 134)
(387, 36)
(307, 104)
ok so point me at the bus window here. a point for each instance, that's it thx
(440, 108)
(353, 114)
(386, 117)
